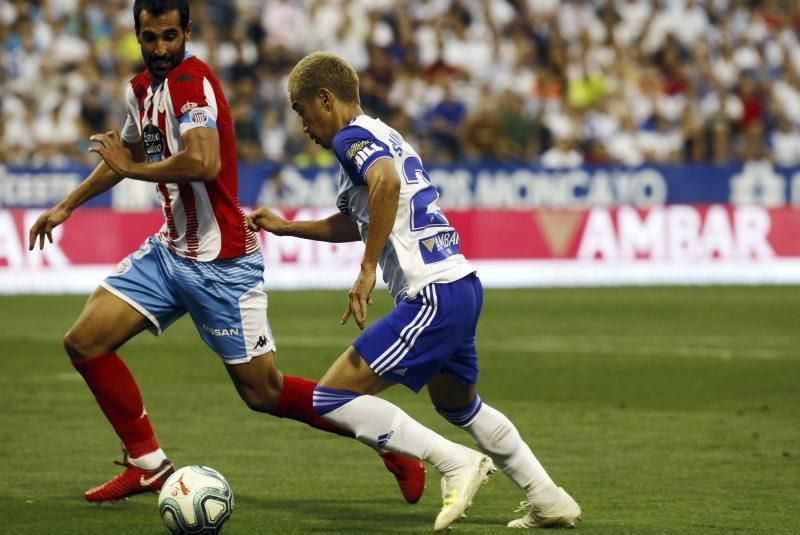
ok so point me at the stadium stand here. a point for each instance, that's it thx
(563, 83)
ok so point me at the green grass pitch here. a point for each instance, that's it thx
(661, 410)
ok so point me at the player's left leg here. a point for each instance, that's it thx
(546, 503)
(454, 396)
(264, 388)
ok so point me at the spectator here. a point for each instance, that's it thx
(785, 143)
(443, 121)
(711, 69)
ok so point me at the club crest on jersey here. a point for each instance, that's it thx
(343, 204)
(188, 106)
(153, 143)
(198, 116)
(122, 268)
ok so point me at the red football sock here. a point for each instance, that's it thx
(117, 394)
(296, 402)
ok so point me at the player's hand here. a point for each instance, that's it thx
(113, 152)
(360, 297)
(266, 219)
(45, 224)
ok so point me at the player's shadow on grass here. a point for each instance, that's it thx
(356, 511)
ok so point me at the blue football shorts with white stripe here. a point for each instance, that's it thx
(432, 333)
(225, 298)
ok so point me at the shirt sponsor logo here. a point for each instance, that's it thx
(153, 142)
(221, 331)
(440, 246)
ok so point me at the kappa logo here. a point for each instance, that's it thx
(384, 439)
(262, 342)
(188, 106)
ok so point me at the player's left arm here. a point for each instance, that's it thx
(383, 183)
(198, 161)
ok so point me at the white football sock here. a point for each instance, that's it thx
(381, 424)
(494, 433)
(149, 461)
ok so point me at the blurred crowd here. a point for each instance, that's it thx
(561, 83)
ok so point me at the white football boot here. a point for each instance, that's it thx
(459, 487)
(563, 514)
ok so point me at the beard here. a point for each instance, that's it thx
(159, 66)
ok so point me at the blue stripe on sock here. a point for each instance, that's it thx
(464, 415)
(329, 399)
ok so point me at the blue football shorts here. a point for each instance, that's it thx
(429, 334)
(225, 298)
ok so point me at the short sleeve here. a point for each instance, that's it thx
(357, 149)
(193, 101)
(130, 129)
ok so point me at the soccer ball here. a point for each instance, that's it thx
(195, 499)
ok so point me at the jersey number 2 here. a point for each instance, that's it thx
(424, 211)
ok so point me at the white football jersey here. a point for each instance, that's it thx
(422, 247)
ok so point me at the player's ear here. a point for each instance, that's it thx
(188, 30)
(325, 98)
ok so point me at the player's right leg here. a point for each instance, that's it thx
(135, 297)
(264, 388)
(231, 318)
(546, 504)
(104, 325)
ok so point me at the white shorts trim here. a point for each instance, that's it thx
(155, 328)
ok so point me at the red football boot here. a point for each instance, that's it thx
(409, 472)
(132, 481)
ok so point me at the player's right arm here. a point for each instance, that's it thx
(100, 180)
(337, 228)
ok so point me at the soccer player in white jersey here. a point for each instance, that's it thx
(387, 200)
(204, 261)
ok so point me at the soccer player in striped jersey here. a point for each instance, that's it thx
(387, 200)
(204, 261)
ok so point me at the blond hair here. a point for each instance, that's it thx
(324, 70)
